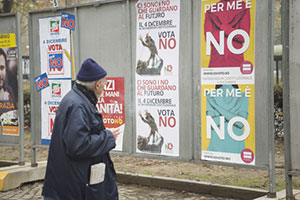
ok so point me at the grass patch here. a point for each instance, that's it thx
(148, 172)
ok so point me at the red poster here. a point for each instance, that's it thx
(111, 106)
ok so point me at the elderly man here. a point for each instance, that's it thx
(79, 165)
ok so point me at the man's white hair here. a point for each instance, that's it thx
(89, 85)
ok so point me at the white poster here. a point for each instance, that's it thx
(55, 59)
(55, 48)
(157, 66)
(50, 100)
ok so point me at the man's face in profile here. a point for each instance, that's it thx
(2, 71)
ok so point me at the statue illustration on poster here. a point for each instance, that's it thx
(154, 141)
(154, 63)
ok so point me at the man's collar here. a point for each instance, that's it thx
(89, 94)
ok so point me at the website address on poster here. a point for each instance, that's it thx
(220, 79)
(228, 78)
(217, 157)
(216, 73)
(229, 75)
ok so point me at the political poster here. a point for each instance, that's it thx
(55, 48)
(50, 99)
(157, 67)
(227, 81)
(41, 82)
(9, 85)
(111, 105)
(55, 59)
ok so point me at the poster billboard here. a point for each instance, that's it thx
(50, 100)
(55, 48)
(55, 51)
(227, 81)
(9, 85)
(111, 105)
(157, 67)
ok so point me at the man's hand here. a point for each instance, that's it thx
(115, 132)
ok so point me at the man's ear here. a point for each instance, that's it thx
(97, 85)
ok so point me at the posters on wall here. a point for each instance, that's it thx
(55, 47)
(157, 66)
(227, 81)
(55, 62)
(9, 85)
(111, 105)
(56, 71)
(50, 99)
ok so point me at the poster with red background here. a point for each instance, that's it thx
(111, 106)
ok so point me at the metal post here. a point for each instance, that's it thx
(271, 170)
(132, 107)
(77, 41)
(191, 28)
(286, 97)
(277, 71)
(20, 90)
(32, 101)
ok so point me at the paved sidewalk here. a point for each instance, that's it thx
(13, 176)
(32, 191)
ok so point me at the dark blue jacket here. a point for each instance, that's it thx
(79, 140)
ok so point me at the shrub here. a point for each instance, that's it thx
(278, 96)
